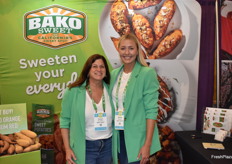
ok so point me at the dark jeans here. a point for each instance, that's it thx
(99, 151)
(122, 156)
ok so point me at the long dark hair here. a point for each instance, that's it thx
(85, 71)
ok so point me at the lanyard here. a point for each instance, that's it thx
(94, 103)
(124, 91)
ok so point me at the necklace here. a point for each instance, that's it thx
(124, 91)
(94, 103)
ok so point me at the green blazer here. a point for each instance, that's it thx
(140, 104)
(73, 117)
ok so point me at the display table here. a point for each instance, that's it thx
(194, 153)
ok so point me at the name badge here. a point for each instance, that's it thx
(100, 122)
(119, 120)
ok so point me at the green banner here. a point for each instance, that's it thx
(36, 71)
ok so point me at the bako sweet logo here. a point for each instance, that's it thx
(55, 26)
(43, 113)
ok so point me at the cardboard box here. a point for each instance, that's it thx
(23, 158)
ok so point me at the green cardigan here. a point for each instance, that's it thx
(73, 118)
(140, 104)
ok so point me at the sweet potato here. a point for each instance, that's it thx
(6, 146)
(119, 18)
(11, 149)
(1, 143)
(35, 146)
(29, 133)
(22, 136)
(11, 136)
(23, 142)
(18, 149)
(32, 147)
(143, 30)
(16, 137)
(163, 18)
(168, 44)
(27, 149)
(36, 140)
(6, 138)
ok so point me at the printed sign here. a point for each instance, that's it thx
(55, 26)
(13, 118)
(216, 119)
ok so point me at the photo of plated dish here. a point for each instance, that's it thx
(161, 26)
(226, 9)
(172, 103)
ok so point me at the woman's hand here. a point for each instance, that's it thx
(70, 156)
(144, 154)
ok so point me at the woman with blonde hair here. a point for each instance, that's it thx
(134, 88)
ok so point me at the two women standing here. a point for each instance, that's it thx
(134, 90)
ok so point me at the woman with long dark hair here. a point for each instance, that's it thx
(86, 116)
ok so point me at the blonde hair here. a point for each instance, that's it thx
(140, 57)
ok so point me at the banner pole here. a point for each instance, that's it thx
(217, 54)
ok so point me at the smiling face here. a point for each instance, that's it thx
(97, 70)
(128, 51)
